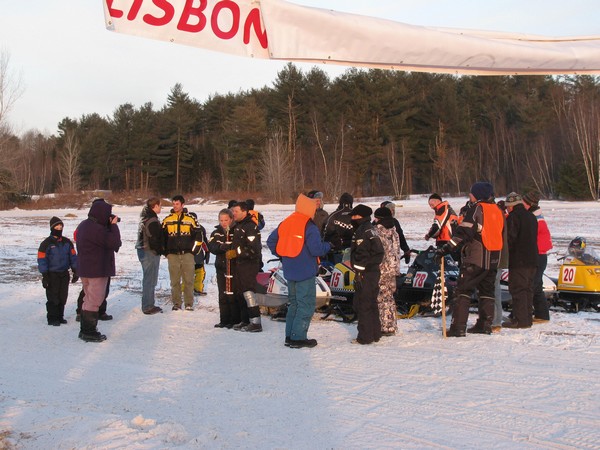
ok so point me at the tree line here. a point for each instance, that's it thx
(368, 132)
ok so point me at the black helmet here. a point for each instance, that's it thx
(577, 247)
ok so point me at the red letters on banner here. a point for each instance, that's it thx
(193, 19)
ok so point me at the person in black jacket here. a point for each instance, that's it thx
(338, 229)
(149, 248)
(522, 260)
(245, 256)
(56, 255)
(366, 253)
(218, 244)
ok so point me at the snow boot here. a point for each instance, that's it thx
(254, 326)
(89, 332)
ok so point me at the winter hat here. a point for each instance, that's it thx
(382, 213)
(361, 210)
(55, 221)
(435, 196)
(482, 190)
(250, 204)
(389, 205)
(346, 199)
(513, 199)
(315, 194)
(306, 206)
(532, 198)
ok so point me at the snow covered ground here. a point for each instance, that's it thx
(173, 381)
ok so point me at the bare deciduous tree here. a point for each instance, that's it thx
(68, 163)
(275, 168)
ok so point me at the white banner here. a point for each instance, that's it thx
(276, 29)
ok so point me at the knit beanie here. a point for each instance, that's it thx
(381, 213)
(435, 196)
(532, 198)
(482, 190)
(346, 199)
(513, 199)
(361, 210)
(55, 221)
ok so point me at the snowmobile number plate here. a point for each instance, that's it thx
(419, 280)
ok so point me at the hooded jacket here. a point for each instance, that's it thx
(150, 237)
(97, 241)
(300, 227)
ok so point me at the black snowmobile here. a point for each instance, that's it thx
(416, 286)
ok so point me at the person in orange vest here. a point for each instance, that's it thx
(297, 241)
(445, 218)
(257, 217)
(479, 237)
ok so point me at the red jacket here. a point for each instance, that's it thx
(543, 237)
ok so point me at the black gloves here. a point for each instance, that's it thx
(442, 251)
(75, 277)
(406, 257)
(358, 281)
(45, 280)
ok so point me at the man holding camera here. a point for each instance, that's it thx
(98, 239)
(179, 231)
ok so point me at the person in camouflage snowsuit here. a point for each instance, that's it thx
(389, 268)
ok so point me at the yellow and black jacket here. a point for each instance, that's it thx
(179, 232)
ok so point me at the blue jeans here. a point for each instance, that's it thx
(302, 296)
(150, 265)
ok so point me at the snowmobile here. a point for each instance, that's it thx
(272, 291)
(578, 283)
(416, 286)
(340, 278)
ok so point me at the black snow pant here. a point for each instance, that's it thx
(540, 304)
(244, 279)
(227, 309)
(56, 295)
(102, 308)
(365, 306)
(474, 277)
(520, 286)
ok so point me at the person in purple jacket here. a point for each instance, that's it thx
(98, 238)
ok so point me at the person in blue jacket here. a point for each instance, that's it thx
(297, 241)
(56, 255)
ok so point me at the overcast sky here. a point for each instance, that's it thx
(71, 65)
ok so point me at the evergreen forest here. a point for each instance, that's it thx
(367, 132)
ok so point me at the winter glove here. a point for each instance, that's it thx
(406, 257)
(441, 252)
(45, 280)
(427, 237)
(230, 254)
(358, 281)
(75, 277)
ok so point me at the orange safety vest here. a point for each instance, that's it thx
(254, 215)
(291, 235)
(445, 233)
(493, 224)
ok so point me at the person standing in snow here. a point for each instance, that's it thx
(338, 229)
(218, 244)
(389, 268)
(321, 215)
(179, 234)
(403, 244)
(445, 218)
(522, 260)
(56, 255)
(98, 239)
(479, 237)
(366, 254)
(149, 248)
(245, 257)
(541, 313)
(297, 241)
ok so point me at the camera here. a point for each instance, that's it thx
(112, 216)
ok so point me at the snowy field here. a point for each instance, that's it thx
(173, 381)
